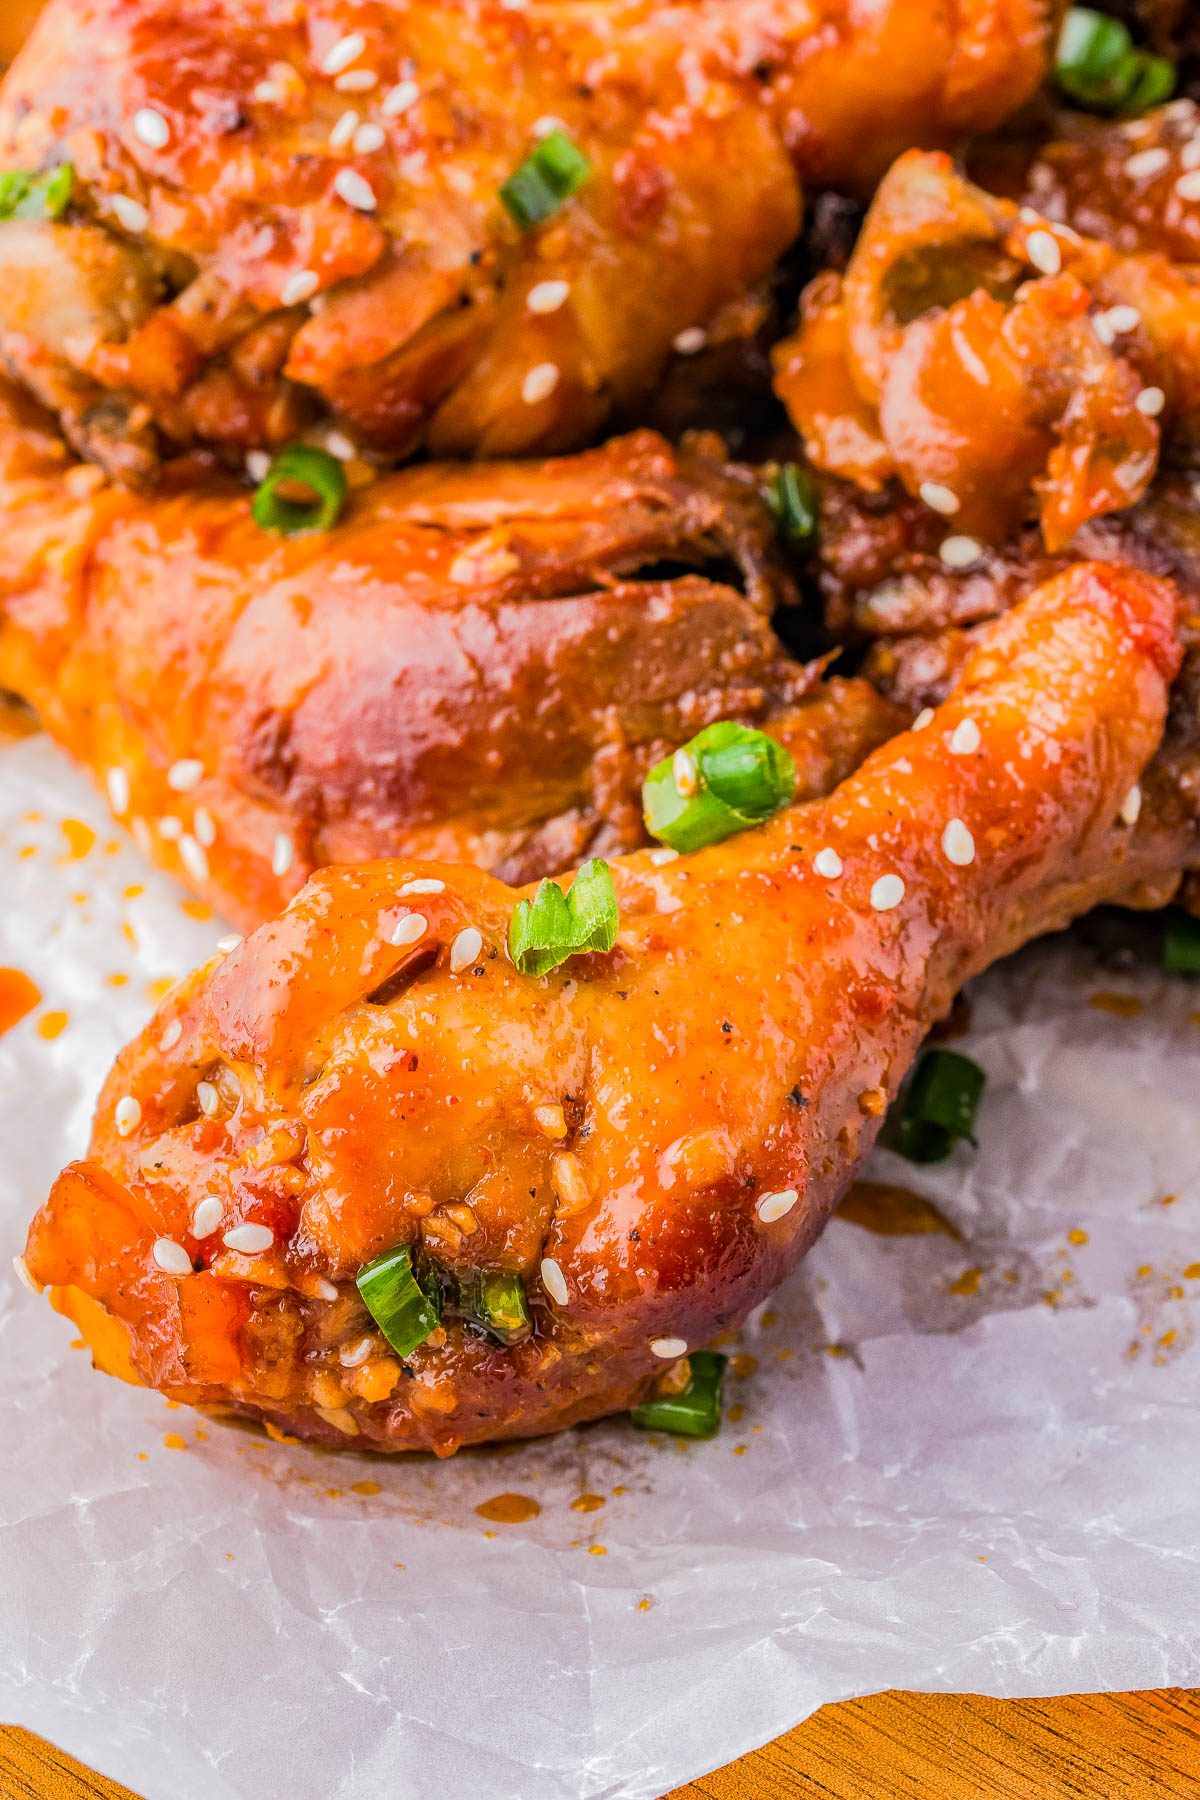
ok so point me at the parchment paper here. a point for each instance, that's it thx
(960, 1465)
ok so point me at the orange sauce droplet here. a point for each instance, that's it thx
(18, 996)
(80, 838)
(1077, 1236)
(366, 1487)
(645, 1603)
(739, 1449)
(736, 1413)
(1122, 1006)
(196, 909)
(117, 980)
(597, 1550)
(133, 890)
(1192, 1272)
(173, 1441)
(743, 1363)
(967, 1283)
(52, 1024)
(893, 1211)
(587, 1503)
(509, 1509)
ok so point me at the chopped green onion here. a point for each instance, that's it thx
(493, 1298)
(792, 499)
(940, 1107)
(304, 466)
(544, 931)
(1097, 64)
(696, 1412)
(399, 1305)
(1181, 944)
(727, 779)
(32, 196)
(550, 174)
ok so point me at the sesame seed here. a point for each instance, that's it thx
(554, 1281)
(340, 55)
(828, 863)
(539, 383)
(207, 1217)
(669, 1348)
(1189, 156)
(547, 296)
(1151, 401)
(1188, 186)
(127, 1115)
(282, 854)
(23, 1276)
(356, 81)
(1043, 252)
(546, 124)
(352, 1356)
(324, 1290)
(960, 552)
(354, 189)
(923, 718)
(339, 445)
(426, 885)
(249, 1238)
(887, 892)
(1146, 163)
(465, 949)
(958, 844)
(169, 827)
(965, 739)
(185, 774)
(691, 341)
(569, 1181)
(171, 1035)
(140, 833)
(399, 99)
(268, 93)
(1124, 318)
(1179, 109)
(683, 769)
(1131, 806)
(205, 827)
(941, 499)
(258, 462)
(208, 1099)
(151, 128)
(229, 942)
(663, 855)
(774, 1206)
(193, 858)
(299, 287)
(117, 783)
(343, 130)
(1103, 327)
(369, 138)
(171, 1257)
(130, 213)
(410, 930)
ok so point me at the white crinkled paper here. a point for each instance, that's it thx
(950, 1473)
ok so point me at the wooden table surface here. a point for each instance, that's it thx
(889, 1747)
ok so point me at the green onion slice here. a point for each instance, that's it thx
(550, 174)
(1181, 944)
(399, 1305)
(493, 1298)
(1097, 64)
(940, 1106)
(1151, 83)
(696, 1412)
(32, 196)
(727, 779)
(546, 930)
(305, 466)
(792, 498)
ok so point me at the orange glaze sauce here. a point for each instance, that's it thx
(893, 1211)
(18, 996)
(509, 1509)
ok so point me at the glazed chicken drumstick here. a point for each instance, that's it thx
(639, 1145)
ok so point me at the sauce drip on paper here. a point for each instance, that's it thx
(893, 1211)
(509, 1509)
(18, 996)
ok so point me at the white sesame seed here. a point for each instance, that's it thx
(267, 93)
(249, 1239)
(171, 1257)
(185, 774)
(283, 854)
(1188, 186)
(960, 552)
(1103, 327)
(426, 885)
(547, 296)
(117, 783)
(369, 138)
(207, 1217)
(1131, 806)
(399, 99)
(1151, 401)
(205, 827)
(554, 1281)
(169, 827)
(1146, 163)
(828, 863)
(546, 124)
(151, 128)
(774, 1206)
(669, 1348)
(965, 739)
(939, 498)
(663, 855)
(1043, 252)
(324, 1290)
(539, 383)
(227, 944)
(339, 445)
(257, 464)
(356, 81)
(354, 189)
(691, 341)
(465, 949)
(23, 1276)
(340, 55)
(299, 287)
(410, 929)
(352, 1356)
(343, 130)
(130, 213)
(208, 1099)
(1179, 109)
(1124, 318)
(1189, 156)
(887, 892)
(923, 718)
(193, 858)
(171, 1035)
(683, 769)
(139, 831)
(127, 1115)
(958, 844)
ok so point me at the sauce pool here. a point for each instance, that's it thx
(509, 1509)
(18, 996)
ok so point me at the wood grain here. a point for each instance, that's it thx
(1143, 1746)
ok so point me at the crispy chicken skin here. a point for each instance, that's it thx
(626, 1117)
(290, 211)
